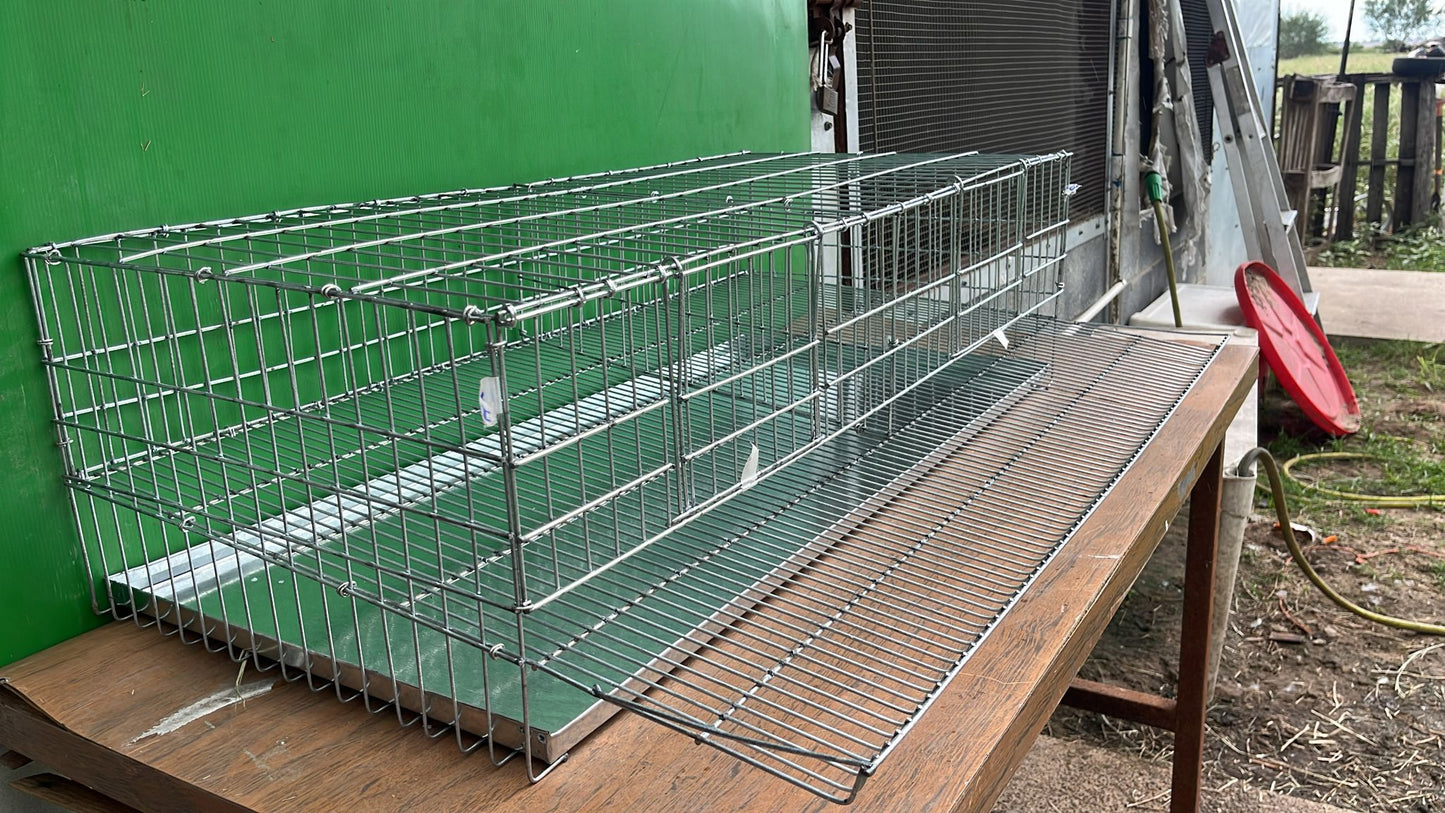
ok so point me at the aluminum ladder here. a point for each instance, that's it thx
(1265, 218)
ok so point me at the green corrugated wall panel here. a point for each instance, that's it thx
(120, 114)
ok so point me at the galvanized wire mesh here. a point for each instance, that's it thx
(948, 75)
(646, 437)
(863, 592)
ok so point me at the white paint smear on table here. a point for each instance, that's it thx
(210, 704)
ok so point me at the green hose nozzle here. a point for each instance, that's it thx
(1155, 186)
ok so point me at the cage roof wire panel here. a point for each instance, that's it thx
(758, 447)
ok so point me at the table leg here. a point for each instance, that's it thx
(1199, 562)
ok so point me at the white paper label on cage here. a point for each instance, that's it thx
(491, 397)
(1002, 338)
(750, 469)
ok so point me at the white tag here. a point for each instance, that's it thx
(750, 469)
(1002, 339)
(491, 398)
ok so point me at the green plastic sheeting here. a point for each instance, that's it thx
(121, 114)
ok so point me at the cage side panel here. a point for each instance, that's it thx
(832, 658)
(231, 405)
(742, 362)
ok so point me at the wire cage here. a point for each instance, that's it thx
(506, 460)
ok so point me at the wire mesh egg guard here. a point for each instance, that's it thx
(756, 446)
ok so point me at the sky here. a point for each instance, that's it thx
(1335, 12)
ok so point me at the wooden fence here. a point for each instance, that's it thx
(1328, 144)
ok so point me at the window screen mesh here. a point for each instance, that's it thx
(1198, 30)
(989, 75)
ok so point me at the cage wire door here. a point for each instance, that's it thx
(507, 460)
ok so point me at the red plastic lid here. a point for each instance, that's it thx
(1296, 349)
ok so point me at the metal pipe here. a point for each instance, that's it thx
(1345, 49)
(1102, 302)
(1109, 123)
(1236, 498)
(1121, 81)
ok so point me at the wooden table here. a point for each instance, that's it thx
(84, 706)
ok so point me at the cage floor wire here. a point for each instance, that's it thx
(757, 447)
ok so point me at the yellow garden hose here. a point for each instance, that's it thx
(1276, 489)
(1374, 500)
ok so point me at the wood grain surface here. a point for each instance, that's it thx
(84, 707)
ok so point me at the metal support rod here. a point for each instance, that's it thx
(1345, 48)
(1123, 84)
(1102, 302)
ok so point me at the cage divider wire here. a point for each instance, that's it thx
(506, 460)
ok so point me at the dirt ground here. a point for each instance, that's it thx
(1311, 700)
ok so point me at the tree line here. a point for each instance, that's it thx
(1398, 22)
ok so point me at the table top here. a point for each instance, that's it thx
(287, 748)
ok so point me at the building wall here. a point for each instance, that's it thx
(125, 114)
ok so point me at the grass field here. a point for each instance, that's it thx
(1364, 60)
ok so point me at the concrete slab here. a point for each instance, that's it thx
(1072, 777)
(1373, 304)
